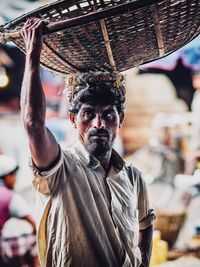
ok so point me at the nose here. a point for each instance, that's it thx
(98, 122)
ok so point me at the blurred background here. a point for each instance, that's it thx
(160, 136)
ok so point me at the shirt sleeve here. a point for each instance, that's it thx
(146, 213)
(47, 182)
(18, 207)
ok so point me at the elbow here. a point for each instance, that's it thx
(32, 125)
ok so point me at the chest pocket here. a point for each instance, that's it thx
(131, 225)
(124, 209)
(124, 202)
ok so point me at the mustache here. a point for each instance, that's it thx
(93, 132)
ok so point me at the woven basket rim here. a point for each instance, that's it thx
(58, 2)
(154, 24)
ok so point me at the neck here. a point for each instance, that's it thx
(105, 160)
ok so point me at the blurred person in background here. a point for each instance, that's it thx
(95, 206)
(193, 159)
(14, 250)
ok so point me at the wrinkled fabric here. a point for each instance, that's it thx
(5, 199)
(91, 219)
(18, 250)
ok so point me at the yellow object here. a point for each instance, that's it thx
(195, 241)
(159, 250)
(198, 164)
(4, 80)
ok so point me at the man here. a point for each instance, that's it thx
(14, 250)
(95, 202)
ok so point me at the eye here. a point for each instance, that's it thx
(109, 116)
(88, 115)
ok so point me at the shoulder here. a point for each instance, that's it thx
(6, 194)
(135, 175)
(70, 156)
(133, 171)
(5, 190)
(18, 206)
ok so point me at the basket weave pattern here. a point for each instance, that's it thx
(147, 30)
(169, 224)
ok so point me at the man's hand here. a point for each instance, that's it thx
(32, 35)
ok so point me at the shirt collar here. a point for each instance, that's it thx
(90, 161)
(117, 163)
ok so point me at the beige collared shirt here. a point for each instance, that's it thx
(90, 219)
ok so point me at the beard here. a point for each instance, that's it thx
(98, 142)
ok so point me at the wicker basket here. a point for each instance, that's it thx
(93, 35)
(169, 224)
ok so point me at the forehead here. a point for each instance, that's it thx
(97, 107)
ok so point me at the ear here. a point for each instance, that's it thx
(72, 119)
(121, 117)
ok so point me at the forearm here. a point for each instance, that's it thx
(43, 146)
(145, 244)
(33, 104)
(33, 108)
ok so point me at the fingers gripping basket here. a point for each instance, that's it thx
(92, 35)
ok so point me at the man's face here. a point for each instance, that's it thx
(10, 180)
(97, 127)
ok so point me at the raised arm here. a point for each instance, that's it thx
(43, 146)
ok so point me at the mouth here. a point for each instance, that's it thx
(99, 136)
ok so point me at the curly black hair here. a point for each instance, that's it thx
(97, 88)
